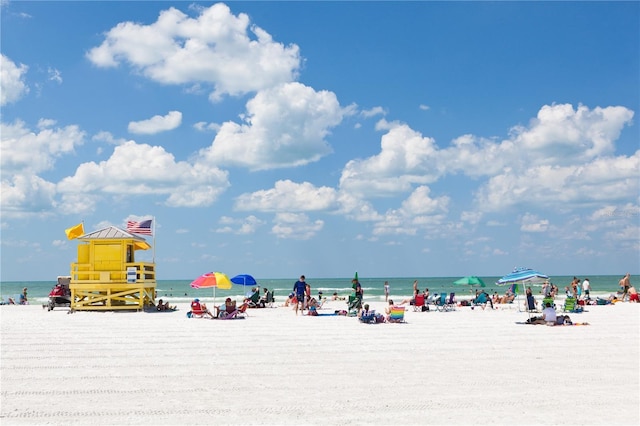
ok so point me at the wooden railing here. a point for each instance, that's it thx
(83, 273)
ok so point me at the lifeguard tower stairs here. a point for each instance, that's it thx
(106, 276)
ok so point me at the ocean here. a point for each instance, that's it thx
(180, 291)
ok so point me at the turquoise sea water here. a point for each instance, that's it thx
(180, 291)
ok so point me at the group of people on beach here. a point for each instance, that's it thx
(20, 300)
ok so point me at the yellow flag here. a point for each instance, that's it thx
(74, 231)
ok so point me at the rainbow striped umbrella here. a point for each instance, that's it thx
(212, 280)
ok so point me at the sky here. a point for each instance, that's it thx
(396, 139)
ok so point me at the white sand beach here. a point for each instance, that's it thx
(461, 367)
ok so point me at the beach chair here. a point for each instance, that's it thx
(531, 303)
(548, 299)
(269, 299)
(451, 303)
(198, 310)
(238, 313)
(418, 303)
(354, 302)
(441, 302)
(369, 317)
(481, 300)
(254, 300)
(396, 314)
(570, 305)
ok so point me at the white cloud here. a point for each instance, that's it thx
(243, 226)
(406, 158)
(607, 179)
(373, 112)
(285, 126)
(157, 123)
(295, 226)
(562, 134)
(288, 196)
(420, 202)
(143, 169)
(24, 151)
(12, 83)
(203, 126)
(531, 223)
(214, 48)
(26, 194)
(55, 75)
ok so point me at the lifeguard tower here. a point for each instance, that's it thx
(106, 276)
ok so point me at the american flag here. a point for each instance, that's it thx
(143, 227)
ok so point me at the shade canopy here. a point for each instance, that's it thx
(523, 275)
(471, 280)
(244, 280)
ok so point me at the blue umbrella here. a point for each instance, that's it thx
(244, 279)
(524, 276)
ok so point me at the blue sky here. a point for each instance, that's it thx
(288, 138)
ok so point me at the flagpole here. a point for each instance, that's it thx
(154, 239)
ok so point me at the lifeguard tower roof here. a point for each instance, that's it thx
(110, 233)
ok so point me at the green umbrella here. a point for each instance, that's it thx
(472, 281)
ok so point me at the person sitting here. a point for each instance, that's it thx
(633, 294)
(290, 301)
(549, 315)
(335, 296)
(507, 298)
(387, 310)
(228, 307)
(266, 298)
(254, 299)
(531, 301)
(165, 306)
(200, 309)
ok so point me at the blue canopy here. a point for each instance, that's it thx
(523, 275)
(244, 280)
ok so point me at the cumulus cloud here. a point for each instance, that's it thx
(241, 226)
(24, 151)
(288, 196)
(143, 169)
(406, 158)
(215, 48)
(531, 223)
(296, 226)
(12, 81)
(285, 126)
(157, 124)
(606, 179)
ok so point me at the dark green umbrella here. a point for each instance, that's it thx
(472, 281)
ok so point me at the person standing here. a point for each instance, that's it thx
(386, 291)
(299, 288)
(586, 288)
(625, 283)
(23, 297)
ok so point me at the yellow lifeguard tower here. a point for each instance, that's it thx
(106, 276)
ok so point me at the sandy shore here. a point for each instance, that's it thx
(462, 367)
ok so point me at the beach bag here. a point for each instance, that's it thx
(425, 308)
(189, 314)
(379, 318)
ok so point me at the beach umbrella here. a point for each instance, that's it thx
(471, 280)
(244, 280)
(212, 280)
(526, 276)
